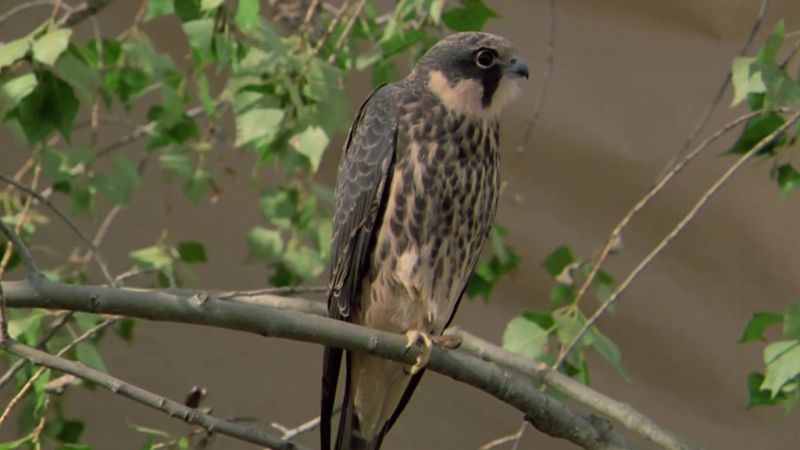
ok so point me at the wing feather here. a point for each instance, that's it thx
(364, 173)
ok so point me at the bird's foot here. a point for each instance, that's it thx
(412, 338)
(448, 341)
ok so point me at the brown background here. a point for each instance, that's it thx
(631, 80)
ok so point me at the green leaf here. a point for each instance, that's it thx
(311, 143)
(199, 33)
(78, 73)
(120, 182)
(176, 164)
(471, 16)
(10, 52)
(157, 8)
(543, 319)
(204, 93)
(188, 10)
(124, 328)
(197, 186)
(304, 261)
(525, 337)
(49, 47)
(278, 207)
(51, 106)
(561, 295)
(29, 323)
(16, 444)
(247, 14)
(758, 396)
(258, 123)
(155, 257)
(39, 395)
(606, 348)
(744, 81)
(88, 354)
(568, 327)
(18, 88)
(192, 252)
(264, 244)
(769, 52)
(758, 128)
(781, 89)
(74, 447)
(788, 179)
(791, 321)
(754, 330)
(70, 433)
(558, 260)
(210, 4)
(783, 364)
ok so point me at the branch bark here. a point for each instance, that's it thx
(281, 320)
(171, 407)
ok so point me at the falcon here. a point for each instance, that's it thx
(415, 198)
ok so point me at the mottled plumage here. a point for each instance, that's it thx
(416, 195)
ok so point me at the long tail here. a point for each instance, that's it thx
(348, 437)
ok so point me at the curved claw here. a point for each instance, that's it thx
(413, 337)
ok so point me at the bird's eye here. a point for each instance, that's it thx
(484, 59)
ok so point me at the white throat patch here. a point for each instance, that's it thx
(466, 95)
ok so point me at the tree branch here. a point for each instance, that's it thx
(98, 257)
(547, 414)
(83, 11)
(171, 407)
(621, 412)
(701, 124)
(674, 233)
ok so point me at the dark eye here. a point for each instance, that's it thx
(484, 59)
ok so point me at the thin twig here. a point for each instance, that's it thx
(36, 375)
(548, 75)
(305, 427)
(539, 373)
(312, 9)
(142, 131)
(55, 328)
(348, 26)
(515, 437)
(675, 232)
(29, 5)
(720, 93)
(171, 407)
(98, 257)
(19, 247)
(331, 26)
(56, 9)
(616, 233)
(82, 12)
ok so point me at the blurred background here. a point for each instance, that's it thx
(631, 80)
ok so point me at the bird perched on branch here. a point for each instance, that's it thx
(416, 196)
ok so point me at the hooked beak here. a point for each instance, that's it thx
(516, 68)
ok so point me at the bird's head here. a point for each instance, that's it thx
(472, 73)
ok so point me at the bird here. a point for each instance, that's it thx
(415, 198)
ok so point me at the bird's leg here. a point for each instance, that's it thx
(413, 337)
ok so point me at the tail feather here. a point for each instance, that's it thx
(331, 364)
(348, 437)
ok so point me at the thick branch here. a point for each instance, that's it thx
(549, 415)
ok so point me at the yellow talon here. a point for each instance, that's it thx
(413, 337)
